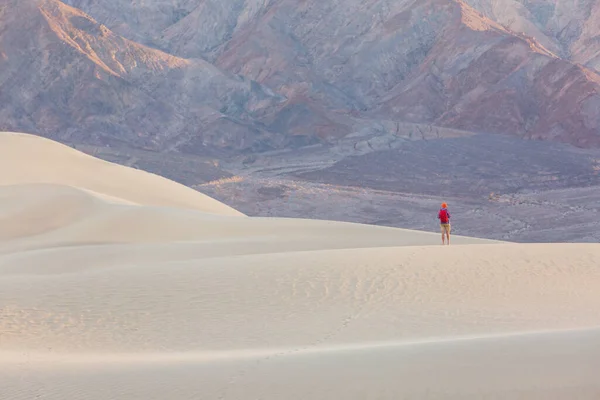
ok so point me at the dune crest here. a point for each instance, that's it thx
(115, 283)
(29, 159)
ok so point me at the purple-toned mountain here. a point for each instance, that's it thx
(247, 75)
(64, 75)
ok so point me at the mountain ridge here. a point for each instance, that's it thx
(243, 76)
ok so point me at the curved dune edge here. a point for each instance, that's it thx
(118, 283)
(83, 359)
(30, 159)
(556, 365)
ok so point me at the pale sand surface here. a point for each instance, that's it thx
(117, 284)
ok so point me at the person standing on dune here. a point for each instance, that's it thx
(444, 217)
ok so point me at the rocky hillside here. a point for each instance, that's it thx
(64, 75)
(248, 75)
(571, 29)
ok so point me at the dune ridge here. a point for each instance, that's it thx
(115, 283)
(28, 159)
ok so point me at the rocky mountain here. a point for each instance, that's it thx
(247, 75)
(64, 75)
(570, 29)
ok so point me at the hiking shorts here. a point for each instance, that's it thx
(445, 228)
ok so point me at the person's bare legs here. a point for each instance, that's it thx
(445, 234)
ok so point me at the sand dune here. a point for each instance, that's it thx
(26, 159)
(117, 284)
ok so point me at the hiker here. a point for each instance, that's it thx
(444, 217)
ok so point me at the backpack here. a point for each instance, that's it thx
(443, 215)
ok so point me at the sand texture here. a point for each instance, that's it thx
(118, 284)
